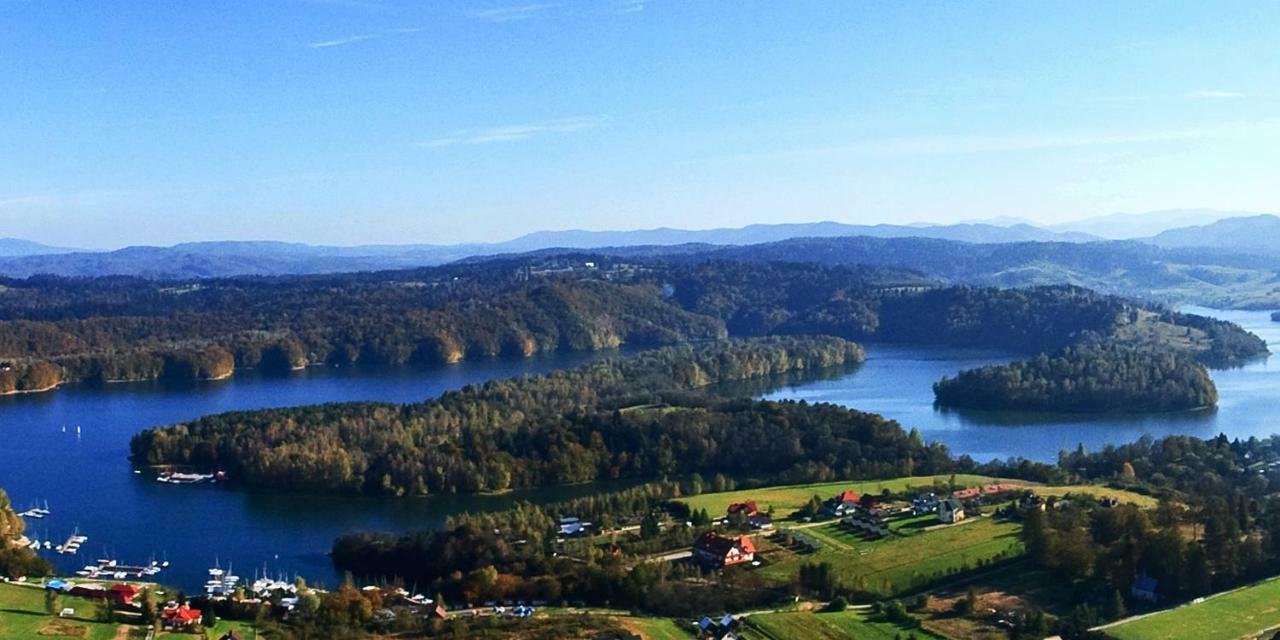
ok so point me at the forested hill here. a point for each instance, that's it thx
(1211, 276)
(54, 330)
(618, 418)
(1085, 380)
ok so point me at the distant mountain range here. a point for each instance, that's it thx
(13, 247)
(1255, 234)
(220, 259)
(1131, 226)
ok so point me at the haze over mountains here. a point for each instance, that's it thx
(1257, 234)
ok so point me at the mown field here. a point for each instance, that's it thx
(23, 616)
(1238, 614)
(829, 626)
(899, 563)
(656, 628)
(787, 499)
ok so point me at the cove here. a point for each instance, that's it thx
(896, 381)
(89, 484)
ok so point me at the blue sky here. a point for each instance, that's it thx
(359, 121)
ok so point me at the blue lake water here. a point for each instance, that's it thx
(89, 485)
(896, 381)
(88, 482)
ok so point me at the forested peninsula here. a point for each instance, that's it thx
(623, 418)
(1085, 380)
(55, 330)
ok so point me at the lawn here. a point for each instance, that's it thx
(656, 628)
(1143, 501)
(786, 499)
(22, 616)
(899, 564)
(803, 625)
(1236, 614)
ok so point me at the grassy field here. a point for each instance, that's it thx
(22, 616)
(803, 625)
(656, 628)
(787, 499)
(1238, 614)
(899, 563)
(1143, 501)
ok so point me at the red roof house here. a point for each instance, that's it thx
(715, 550)
(124, 593)
(849, 495)
(747, 508)
(183, 617)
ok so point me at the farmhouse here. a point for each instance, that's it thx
(950, 511)
(715, 550)
(841, 505)
(924, 503)
(181, 617)
(124, 593)
(746, 509)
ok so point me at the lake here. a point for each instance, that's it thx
(896, 382)
(88, 482)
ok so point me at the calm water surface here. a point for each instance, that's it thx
(89, 485)
(896, 381)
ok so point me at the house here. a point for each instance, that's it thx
(1144, 588)
(746, 509)
(721, 629)
(181, 617)
(570, 526)
(438, 611)
(841, 505)
(715, 550)
(123, 593)
(950, 511)
(58, 585)
(1031, 502)
(760, 521)
(924, 503)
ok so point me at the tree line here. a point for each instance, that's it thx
(107, 329)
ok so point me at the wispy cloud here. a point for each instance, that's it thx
(339, 42)
(363, 37)
(516, 132)
(514, 13)
(631, 6)
(1206, 94)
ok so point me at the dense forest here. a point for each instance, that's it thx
(619, 418)
(1084, 380)
(110, 329)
